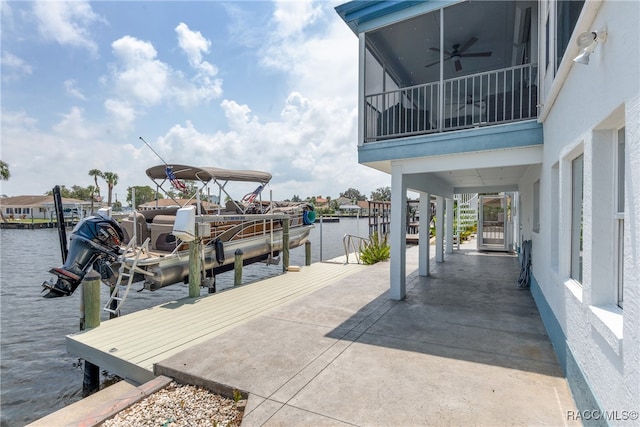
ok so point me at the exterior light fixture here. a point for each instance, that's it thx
(587, 42)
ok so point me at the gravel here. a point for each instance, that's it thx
(181, 405)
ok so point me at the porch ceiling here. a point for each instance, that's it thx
(407, 47)
(497, 177)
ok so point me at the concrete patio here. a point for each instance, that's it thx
(466, 347)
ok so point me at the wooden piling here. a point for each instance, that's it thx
(285, 244)
(195, 247)
(307, 253)
(89, 319)
(237, 268)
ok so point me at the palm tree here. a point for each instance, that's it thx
(112, 181)
(92, 191)
(4, 171)
(95, 173)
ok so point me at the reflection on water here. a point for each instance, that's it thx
(38, 376)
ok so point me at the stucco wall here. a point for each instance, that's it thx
(593, 102)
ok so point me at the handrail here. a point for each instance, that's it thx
(497, 96)
(349, 242)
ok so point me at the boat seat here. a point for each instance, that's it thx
(161, 237)
(143, 230)
(231, 208)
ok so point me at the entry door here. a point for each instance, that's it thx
(493, 224)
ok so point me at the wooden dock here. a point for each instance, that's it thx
(129, 346)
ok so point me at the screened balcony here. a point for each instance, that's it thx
(468, 65)
(483, 99)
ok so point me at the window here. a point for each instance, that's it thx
(619, 214)
(567, 13)
(577, 167)
(554, 220)
(9, 211)
(536, 206)
(547, 53)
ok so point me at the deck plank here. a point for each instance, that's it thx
(128, 346)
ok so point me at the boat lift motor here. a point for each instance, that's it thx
(94, 241)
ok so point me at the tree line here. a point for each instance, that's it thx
(145, 194)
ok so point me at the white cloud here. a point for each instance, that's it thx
(13, 66)
(67, 23)
(142, 79)
(319, 54)
(194, 45)
(291, 17)
(73, 91)
(63, 155)
(122, 114)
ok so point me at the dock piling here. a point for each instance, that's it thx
(89, 319)
(237, 268)
(285, 244)
(307, 253)
(194, 264)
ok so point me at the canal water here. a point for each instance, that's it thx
(37, 375)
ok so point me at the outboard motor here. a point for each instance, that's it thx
(93, 241)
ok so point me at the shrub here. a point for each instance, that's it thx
(376, 250)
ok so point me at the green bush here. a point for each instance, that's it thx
(376, 250)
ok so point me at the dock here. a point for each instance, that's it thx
(129, 346)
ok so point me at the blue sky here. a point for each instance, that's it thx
(242, 84)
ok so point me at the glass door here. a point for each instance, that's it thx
(493, 224)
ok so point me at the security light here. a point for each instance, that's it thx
(587, 42)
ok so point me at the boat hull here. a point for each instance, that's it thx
(173, 268)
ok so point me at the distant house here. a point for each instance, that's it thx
(41, 207)
(321, 201)
(360, 207)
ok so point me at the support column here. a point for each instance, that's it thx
(449, 217)
(423, 234)
(398, 235)
(439, 229)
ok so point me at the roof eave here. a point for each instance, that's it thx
(356, 13)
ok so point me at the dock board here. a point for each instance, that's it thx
(129, 346)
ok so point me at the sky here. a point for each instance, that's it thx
(262, 85)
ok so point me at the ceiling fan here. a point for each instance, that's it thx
(459, 52)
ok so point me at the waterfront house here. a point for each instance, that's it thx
(534, 105)
(40, 207)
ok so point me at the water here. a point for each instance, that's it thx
(38, 376)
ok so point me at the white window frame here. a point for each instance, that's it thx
(576, 271)
(536, 206)
(619, 212)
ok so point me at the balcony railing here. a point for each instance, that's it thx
(494, 97)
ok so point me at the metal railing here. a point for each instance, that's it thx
(353, 244)
(493, 97)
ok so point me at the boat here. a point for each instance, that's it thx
(153, 245)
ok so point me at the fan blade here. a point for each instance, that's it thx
(476, 54)
(467, 45)
(435, 49)
(458, 65)
(436, 62)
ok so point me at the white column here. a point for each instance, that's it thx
(423, 234)
(439, 229)
(398, 235)
(449, 225)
